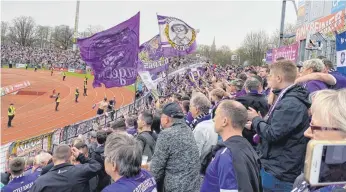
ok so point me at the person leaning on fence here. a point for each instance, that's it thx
(11, 112)
(66, 177)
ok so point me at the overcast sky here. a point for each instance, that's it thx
(228, 21)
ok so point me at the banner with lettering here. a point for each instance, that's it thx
(177, 37)
(32, 146)
(113, 54)
(151, 57)
(289, 52)
(324, 25)
(269, 56)
(14, 87)
(341, 52)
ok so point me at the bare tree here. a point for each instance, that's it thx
(204, 50)
(255, 46)
(22, 30)
(290, 30)
(91, 30)
(62, 36)
(4, 31)
(42, 36)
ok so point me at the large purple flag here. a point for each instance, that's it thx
(113, 54)
(177, 37)
(151, 56)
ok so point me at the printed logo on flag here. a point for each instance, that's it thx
(179, 34)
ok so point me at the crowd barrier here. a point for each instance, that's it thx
(67, 134)
(14, 87)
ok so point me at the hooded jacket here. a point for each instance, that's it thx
(283, 145)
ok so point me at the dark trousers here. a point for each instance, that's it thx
(76, 100)
(63, 78)
(112, 114)
(26, 67)
(85, 92)
(10, 118)
(56, 105)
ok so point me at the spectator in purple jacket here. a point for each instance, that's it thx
(123, 159)
(331, 77)
(313, 66)
(130, 125)
(19, 182)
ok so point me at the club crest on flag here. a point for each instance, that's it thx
(151, 56)
(179, 34)
(177, 37)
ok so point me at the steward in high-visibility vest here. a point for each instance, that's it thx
(77, 95)
(63, 75)
(85, 89)
(57, 101)
(11, 112)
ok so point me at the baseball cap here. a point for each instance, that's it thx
(173, 110)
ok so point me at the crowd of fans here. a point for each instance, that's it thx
(218, 128)
(59, 58)
(13, 54)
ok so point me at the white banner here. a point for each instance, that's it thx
(19, 65)
(146, 78)
(71, 70)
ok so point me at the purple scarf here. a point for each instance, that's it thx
(200, 118)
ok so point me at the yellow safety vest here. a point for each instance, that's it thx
(11, 111)
(58, 100)
(76, 93)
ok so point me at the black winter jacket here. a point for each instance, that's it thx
(68, 178)
(283, 144)
(257, 102)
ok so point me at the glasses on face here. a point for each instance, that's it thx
(320, 128)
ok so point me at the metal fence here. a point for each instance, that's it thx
(67, 134)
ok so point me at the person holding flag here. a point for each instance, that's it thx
(76, 94)
(11, 112)
(57, 102)
(63, 75)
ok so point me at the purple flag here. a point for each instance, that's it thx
(151, 57)
(113, 54)
(177, 37)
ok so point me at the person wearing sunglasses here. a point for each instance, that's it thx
(328, 122)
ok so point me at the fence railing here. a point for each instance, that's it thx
(67, 134)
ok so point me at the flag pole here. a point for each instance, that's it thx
(134, 102)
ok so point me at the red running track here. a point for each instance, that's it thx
(35, 114)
